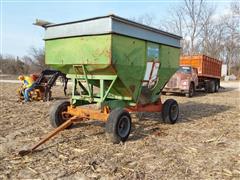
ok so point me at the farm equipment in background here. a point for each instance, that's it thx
(195, 73)
(115, 70)
(43, 84)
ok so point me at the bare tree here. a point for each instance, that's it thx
(212, 39)
(35, 62)
(37, 57)
(189, 20)
(232, 36)
(12, 65)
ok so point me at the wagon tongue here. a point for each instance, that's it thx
(50, 135)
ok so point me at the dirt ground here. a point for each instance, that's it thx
(204, 144)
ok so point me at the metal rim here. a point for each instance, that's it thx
(63, 116)
(123, 127)
(174, 111)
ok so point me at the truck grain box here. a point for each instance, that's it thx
(207, 67)
(195, 72)
(117, 66)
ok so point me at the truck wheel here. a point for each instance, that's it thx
(212, 86)
(191, 91)
(206, 87)
(216, 86)
(118, 126)
(170, 111)
(56, 113)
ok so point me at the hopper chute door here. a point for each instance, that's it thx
(152, 66)
(151, 75)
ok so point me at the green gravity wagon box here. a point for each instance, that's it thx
(128, 61)
(119, 65)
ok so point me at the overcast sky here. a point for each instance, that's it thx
(18, 34)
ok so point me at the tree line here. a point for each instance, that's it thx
(32, 63)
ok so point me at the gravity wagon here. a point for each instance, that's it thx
(116, 66)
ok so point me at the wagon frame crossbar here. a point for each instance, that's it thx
(87, 93)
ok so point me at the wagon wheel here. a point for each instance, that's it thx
(170, 111)
(118, 126)
(57, 116)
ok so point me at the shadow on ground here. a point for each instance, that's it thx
(200, 93)
(189, 112)
(149, 123)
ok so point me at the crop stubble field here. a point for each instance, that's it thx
(204, 144)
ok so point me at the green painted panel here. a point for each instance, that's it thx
(169, 59)
(129, 59)
(79, 50)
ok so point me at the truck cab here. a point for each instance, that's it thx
(184, 81)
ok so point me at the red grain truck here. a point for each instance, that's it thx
(195, 72)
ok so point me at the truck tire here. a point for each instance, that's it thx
(191, 91)
(56, 116)
(212, 86)
(209, 86)
(170, 111)
(217, 85)
(206, 86)
(118, 126)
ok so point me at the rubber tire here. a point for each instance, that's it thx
(207, 86)
(55, 112)
(112, 125)
(191, 91)
(217, 86)
(211, 86)
(166, 111)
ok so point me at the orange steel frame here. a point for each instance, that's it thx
(102, 115)
(87, 113)
(151, 107)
